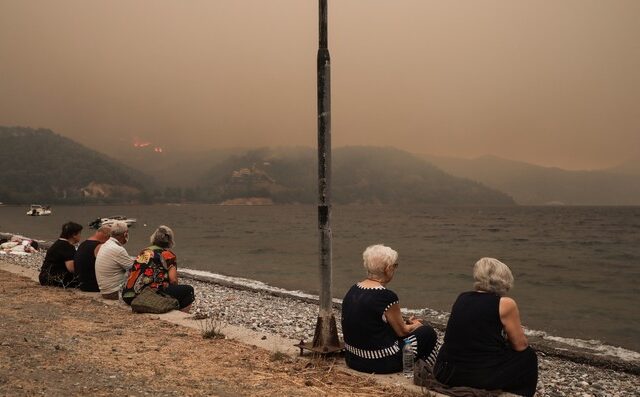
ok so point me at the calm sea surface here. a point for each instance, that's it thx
(577, 269)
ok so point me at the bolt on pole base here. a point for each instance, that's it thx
(325, 338)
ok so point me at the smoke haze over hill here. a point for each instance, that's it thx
(550, 83)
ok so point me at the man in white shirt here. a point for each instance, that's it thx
(113, 261)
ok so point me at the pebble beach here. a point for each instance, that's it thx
(295, 319)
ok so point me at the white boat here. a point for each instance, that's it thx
(109, 220)
(38, 210)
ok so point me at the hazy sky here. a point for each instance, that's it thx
(554, 82)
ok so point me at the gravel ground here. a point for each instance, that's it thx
(296, 320)
(55, 342)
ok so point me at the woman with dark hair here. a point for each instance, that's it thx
(58, 266)
(157, 267)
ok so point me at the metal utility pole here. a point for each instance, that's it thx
(325, 339)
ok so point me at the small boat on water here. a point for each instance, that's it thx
(38, 210)
(109, 220)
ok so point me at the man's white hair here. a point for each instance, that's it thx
(104, 229)
(491, 275)
(119, 228)
(376, 259)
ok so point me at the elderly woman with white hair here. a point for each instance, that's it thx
(157, 267)
(372, 324)
(484, 345)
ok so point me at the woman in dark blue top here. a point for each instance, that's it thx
(372, 325)
(484, 345)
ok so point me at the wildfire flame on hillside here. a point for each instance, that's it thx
(139, 144)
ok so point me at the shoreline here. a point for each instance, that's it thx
(580, 351)
(575, 350)
(242, 202)
(275, 313)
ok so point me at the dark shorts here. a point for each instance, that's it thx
(184, 294)
(424, 340)
(516, 373)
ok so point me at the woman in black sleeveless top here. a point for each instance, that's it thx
(85, 259)
(484, 344)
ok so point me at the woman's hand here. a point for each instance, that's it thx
(401, 328)
(510, 318)
(414, 323)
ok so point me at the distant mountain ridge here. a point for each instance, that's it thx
(531, 184)
(360, 175)
(40, 166)
(629, 167)
(37, 165)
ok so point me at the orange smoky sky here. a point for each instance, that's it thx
(549, 82)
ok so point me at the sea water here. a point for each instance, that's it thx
(577, 269)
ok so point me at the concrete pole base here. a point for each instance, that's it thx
(325, 339)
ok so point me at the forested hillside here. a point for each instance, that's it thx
(37, 165)
(360, 175)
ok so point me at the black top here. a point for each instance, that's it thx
(474, 331)
(85, 265)
(54, 266)
(363, 325)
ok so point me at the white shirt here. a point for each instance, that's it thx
(112, 264)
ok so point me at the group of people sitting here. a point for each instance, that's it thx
(484, 343)
(102, 264)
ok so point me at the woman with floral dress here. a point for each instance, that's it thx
(156, 267)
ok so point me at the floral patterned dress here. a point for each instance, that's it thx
(150, 269)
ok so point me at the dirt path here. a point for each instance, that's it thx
(55, 342)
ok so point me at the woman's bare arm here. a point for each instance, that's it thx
(173, 275)
(394, 318)
(70, 266)
(510, 318)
